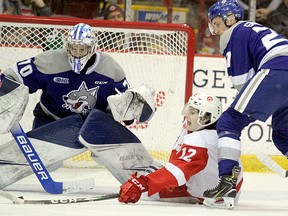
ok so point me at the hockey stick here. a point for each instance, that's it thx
(271, 164)
(40, 170)
(21, 200)
(103, 7)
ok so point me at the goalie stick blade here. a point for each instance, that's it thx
(40, 170)
(272, 165)
(21, 200)
(11, 197)
(223, 203)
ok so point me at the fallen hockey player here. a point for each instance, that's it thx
(193, 164)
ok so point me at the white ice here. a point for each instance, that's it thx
(262, 194)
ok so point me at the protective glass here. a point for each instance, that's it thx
(185, 109)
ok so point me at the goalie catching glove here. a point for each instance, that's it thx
(13, 101)
(130, 191)
(136, 103)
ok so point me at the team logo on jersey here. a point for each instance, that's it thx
(81, 100)
(61, 80)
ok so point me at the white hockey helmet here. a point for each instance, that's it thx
(206, 104)
(80, 46)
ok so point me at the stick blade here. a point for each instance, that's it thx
(272, 165)
(21, 200)
(14, 199)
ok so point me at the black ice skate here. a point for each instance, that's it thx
(224, 194)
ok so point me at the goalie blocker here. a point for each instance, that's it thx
(13, 101)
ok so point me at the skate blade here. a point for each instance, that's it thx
(223, 202)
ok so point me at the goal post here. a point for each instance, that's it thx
(158, 54)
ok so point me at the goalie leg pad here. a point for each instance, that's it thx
(53, 142)
(115, 147)
(13, 101)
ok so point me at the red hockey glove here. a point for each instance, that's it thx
(130, 191)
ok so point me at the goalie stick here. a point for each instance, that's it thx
(271, 164)
(21, 200)
(40, 170)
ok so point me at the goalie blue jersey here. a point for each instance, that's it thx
(254, 47)
(63, 91)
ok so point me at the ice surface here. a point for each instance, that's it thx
(262, 194)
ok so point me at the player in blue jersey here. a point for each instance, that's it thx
(85, 96)
(72, 80)
(257, 64)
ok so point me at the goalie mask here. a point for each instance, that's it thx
(80, 46)
(207, 105)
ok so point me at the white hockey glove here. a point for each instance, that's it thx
(136, 103)
(13, 101)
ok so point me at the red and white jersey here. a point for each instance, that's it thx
(193, 162)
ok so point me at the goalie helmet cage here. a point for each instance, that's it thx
(158, 54)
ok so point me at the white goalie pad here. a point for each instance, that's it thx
(136, 103)
(13, 101)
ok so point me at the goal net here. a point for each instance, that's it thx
(160, 55)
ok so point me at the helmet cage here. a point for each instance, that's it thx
(80, 46)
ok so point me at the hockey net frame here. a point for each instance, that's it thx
(165, 53)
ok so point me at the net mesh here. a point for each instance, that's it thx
(155, 57)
